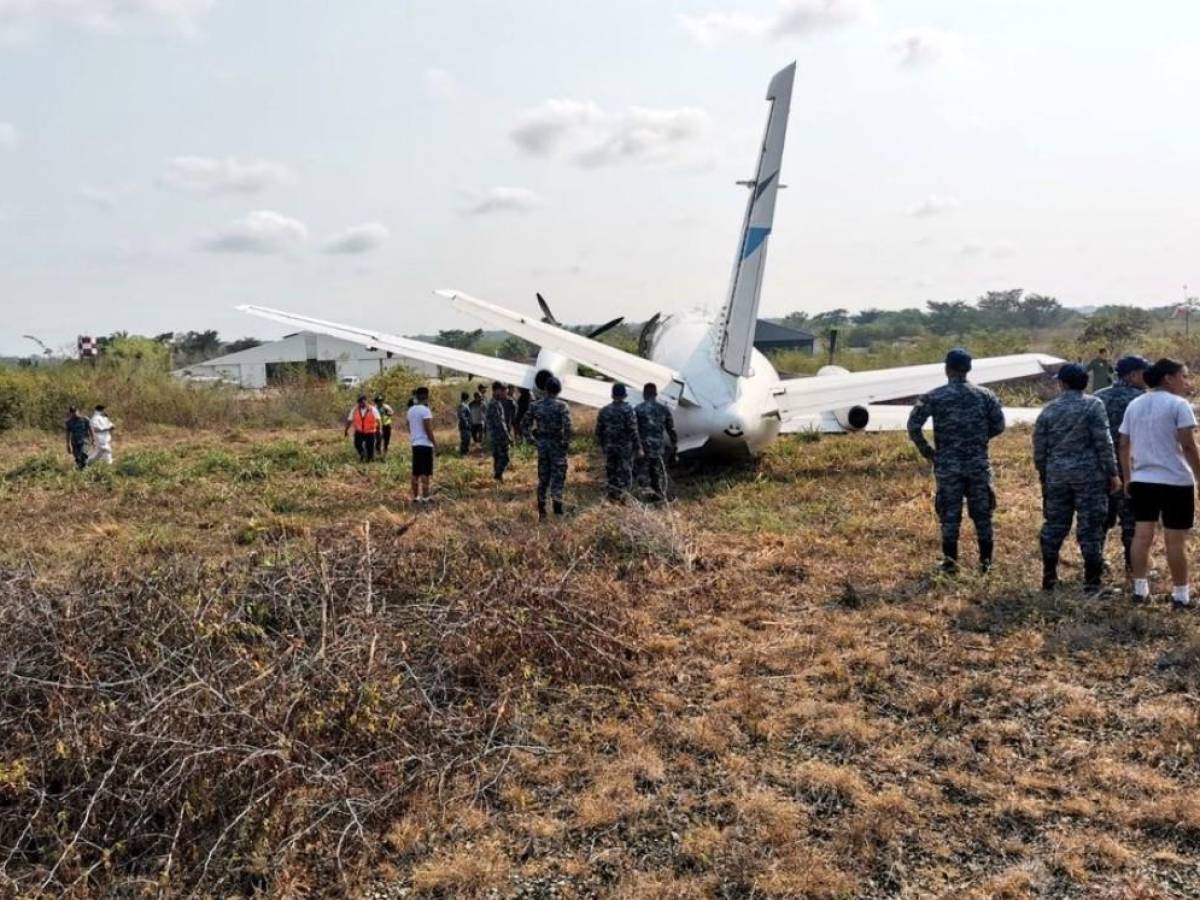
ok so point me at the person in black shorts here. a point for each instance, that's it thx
(1160, 461)
(420, 434)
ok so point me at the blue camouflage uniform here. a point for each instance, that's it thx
(1116, 400)
(78, 432)
(1073, 452)
(617, 434)
(464, 428)
(965, 418)
(656, 426)
(496, 421)
(548, 422)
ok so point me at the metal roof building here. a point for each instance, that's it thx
(771, 337)
(302, 353)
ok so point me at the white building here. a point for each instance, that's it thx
(299, 354)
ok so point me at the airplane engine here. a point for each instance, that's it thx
(854, 418)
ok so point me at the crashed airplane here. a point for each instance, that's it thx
(727, 398)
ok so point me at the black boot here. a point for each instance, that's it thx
(541, 511)
(1049, 572)
(949, 557)
(1093, 571)
(985, 556)
(558, 508)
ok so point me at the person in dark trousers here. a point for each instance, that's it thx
(386, 413)
(1130, 385)
(79, 435)
(499, 430)
(965, 418)
(1077, 467)
(617, 435)
(524, 398)
(364, 420)
(464, 424)
(476, 408)
(510, 408)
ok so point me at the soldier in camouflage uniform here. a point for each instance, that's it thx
(548, 422)
(617, 434)
(496, 421)
(1073, 452)
(965, 418)
(464, 424)
(656, 426)
(1130, 385)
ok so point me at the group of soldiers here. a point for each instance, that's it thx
(1074, 441)
(635, 441)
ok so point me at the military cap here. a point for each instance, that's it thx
(1128, 364)
(959, 360)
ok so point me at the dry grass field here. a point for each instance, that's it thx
(242, 664)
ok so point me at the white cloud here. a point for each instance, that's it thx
(919, 47)
(263, 231)
(790, 17)
(358, 239)
(22, 18)
(933, 205)
(593, 137)
(971, 249)
(504, 199)
(8, 136)
(541, 129)
(208, 175)
(440, 84)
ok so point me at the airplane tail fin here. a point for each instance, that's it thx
(736, 338)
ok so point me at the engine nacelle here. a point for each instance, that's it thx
(854, 418)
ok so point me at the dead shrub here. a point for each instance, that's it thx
(208, 727)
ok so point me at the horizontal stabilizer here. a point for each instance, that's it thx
(616, 364)
(807, 397)
(576, 388)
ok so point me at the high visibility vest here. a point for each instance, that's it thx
(386, 414)
(365, 420)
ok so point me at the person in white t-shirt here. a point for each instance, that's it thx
(1160, 464)
(420, 435)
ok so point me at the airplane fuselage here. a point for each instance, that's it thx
(718, 414)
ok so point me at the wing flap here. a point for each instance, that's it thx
(814, 396)
(616, 364)
(889, 418)
(576, 388)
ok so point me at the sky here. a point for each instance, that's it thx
(164, 160)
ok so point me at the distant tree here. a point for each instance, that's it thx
(458, 339)
(137, 350)
(515, 349)
(832, 318)
(246, 343)
(1117, 327)
(867, 316)
(197, 345)
(167, 337)
(1040, 311)
(795, 319)
(956, 317)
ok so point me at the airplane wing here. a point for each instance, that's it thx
(576, 388)
(615, 363)
(821, 394)
(888, 418)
